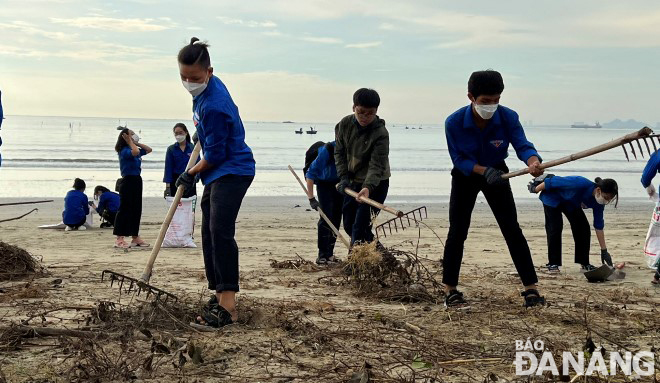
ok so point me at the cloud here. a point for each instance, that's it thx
(364, 45)
(247, 23)
(321, 40)
(31, 29)
(114, 24)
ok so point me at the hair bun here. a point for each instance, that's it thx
(193, 40)
(598, 180)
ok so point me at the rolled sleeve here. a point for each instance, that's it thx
(216, 131)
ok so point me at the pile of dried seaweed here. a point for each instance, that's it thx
(16, 263)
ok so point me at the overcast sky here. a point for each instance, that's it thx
(562, 60)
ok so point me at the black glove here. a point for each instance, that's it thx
(532, 186)
(343, 184)
(494, 176)
(187, 180)
(606, 258)
(195, 138)
(168, 192)
(314, 203)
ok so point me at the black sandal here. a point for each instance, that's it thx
(656, 278)
(532, 298)
(454, 299)
(214, 316)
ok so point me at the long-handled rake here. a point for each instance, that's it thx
(643, 134)
(406, 220)
(143, 282)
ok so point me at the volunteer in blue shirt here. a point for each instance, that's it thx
(76, 207)
(176, 159)
(569, 196)
(650, 170)
(227, 170)
(323, 173)
(108, 205)
(478, 139)
(127, 222)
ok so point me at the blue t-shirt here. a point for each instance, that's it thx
(651, 169)
(76, 207)
(221, 133)
(130, 165)
(468, 145)
(108, 201)
(176, 161)
(323, 167)
(574, 192)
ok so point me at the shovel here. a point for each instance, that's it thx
(143, 282)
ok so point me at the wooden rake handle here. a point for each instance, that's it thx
(373, 203)
(146, 274)
(322, 214)
(644, 132)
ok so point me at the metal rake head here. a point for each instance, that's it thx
(653, 138)
(406, 220)
(137, 286)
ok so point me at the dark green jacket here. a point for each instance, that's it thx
(362, 153)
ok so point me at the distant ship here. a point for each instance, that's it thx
(580, 125)
(287, 122)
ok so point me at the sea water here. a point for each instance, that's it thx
(42, 155)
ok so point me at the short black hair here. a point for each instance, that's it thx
(100, 188)
(608, 186)
(185, 129)
(366, 97)
(488, 82)
(79, 184)
(195, 53)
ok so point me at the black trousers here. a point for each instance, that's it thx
(579, 226)
(221, 202)
(109, 216)
(358, 216)
(331, 202)
(464, 191)
(78, 224)
(173, 188)
(127, 222)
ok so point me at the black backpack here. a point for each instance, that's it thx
(311, 154)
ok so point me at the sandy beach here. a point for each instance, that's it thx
(621, 314)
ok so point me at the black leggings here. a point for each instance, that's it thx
(127, 222)
(554, 225)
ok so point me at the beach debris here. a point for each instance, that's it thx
(406, 220)
(390, 274)
(295, 264)
(129, 285)
(25, 202)
(19, 217)
(17, 263)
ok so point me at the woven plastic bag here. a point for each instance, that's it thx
(652, 243)
(180, 232)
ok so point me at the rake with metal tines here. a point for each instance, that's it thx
(644, 134)
(406, 220)
(128, 285)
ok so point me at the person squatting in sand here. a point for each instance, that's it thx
(76, 207)
(569, 196)
(127, 222)
(108, 205)
(227, 170)
(362, 161)
(478, 139)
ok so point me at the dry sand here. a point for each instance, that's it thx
(282, 338)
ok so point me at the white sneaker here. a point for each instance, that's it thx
(68, 228)
(83, 227)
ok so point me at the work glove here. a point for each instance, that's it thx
(314, 203)
(187, 180)
(537, 181)
(606, 258)
(650, 190)
(494, 176)
(343, 184)
(167, 193)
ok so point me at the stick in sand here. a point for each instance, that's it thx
(322, 214)
(146, 274)
(628, 138)
(25, 203)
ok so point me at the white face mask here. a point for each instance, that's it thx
(180, 138)
(194, 88)
(485, 111)
(601, 200)
(135, 138)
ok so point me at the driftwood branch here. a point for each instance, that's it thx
(19, 217)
